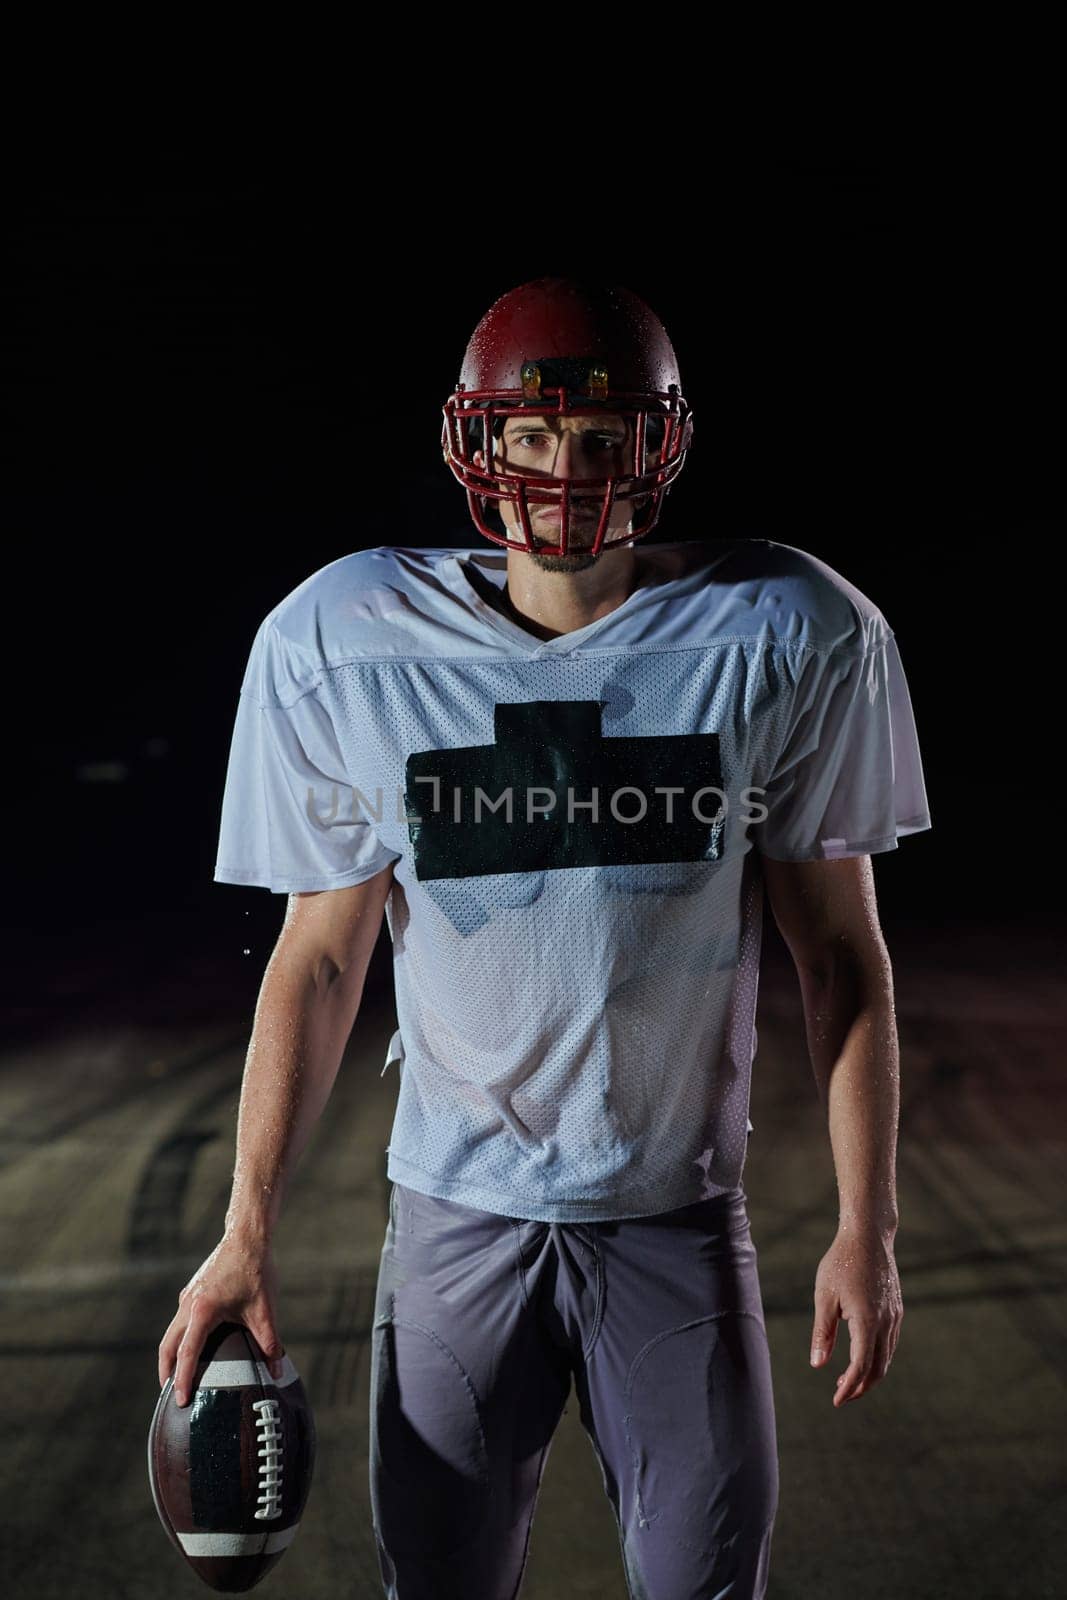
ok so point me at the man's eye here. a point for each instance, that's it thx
(596, 441)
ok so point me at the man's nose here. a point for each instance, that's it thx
(566, 456)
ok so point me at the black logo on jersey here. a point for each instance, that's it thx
(552, 792)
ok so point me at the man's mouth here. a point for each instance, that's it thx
(557, 516)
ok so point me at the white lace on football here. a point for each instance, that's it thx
(269, 1434)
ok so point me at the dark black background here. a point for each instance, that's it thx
(217, 380)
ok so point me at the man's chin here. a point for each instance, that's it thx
(574, 561)
(577, 559)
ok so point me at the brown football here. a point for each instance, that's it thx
(231, 1470)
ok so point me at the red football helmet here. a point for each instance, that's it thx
(555, 347)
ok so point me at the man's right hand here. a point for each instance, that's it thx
(237, 1283)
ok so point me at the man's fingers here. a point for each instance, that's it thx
(846, 1382)
(824, 1327)
(823, 1338)
(862, 1346)
(869, 1365)
(889, 1344)
(874, 1369)
(895, 1334)
(269, 1343)
(168, 1347)
(883, 1354)
(188, 1355)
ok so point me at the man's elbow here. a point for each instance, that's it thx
(827, 914)
(861, 963)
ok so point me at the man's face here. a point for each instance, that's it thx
(591, 445)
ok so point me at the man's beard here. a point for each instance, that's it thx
(581, 556)
(580, 561)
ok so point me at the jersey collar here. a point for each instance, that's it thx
(492, 568)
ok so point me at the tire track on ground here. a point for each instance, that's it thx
(25, 1133)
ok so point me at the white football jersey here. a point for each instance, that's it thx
(576, 827)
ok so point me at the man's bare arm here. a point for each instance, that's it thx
(307, 1004)
(308, 1001)
(828, 917)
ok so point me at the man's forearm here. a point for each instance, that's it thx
(855, 1054)
(302, 1022)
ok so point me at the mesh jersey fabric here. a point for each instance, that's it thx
(575, 995)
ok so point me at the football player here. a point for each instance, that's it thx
(566, 769)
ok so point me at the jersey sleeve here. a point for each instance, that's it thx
(289, 817)
(849, 778)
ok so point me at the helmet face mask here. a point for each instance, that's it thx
(584, 327)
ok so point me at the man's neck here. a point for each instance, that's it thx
(548, 603)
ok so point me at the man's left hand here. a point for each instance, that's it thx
(857, 1280)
